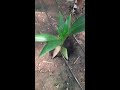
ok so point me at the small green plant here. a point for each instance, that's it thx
(64, 29)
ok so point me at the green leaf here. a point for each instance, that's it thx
(78, 25)
(50, 46)
(64, 52)
(59, 32)
(44, 37)
(60, 24)
(67, 25)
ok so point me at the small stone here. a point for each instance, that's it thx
(57, 86)
(39, 64)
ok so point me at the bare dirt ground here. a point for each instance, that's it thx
(58, 74)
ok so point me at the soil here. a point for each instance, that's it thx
(58, 74)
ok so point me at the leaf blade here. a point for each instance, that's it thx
(50, 46)
(60, 24)
(67, 25)
(44, 37)
(56, 51)
(64, 52)
(78, 25)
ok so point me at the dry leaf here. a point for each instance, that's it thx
(56, 51)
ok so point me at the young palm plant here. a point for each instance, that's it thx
(64, 29)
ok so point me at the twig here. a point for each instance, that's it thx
(73, 75)
(76, 59)
(78, 43)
